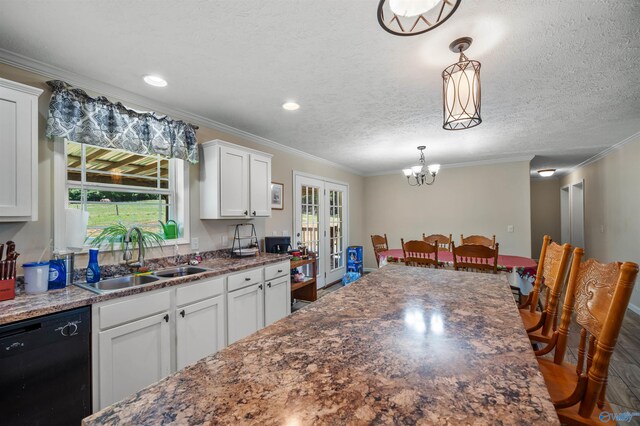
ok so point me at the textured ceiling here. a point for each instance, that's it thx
(560, 79)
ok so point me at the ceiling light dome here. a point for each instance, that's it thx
(546, 172)
(154, 80)
(291, 106)
(408, 8)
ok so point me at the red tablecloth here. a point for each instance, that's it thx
(524, 265)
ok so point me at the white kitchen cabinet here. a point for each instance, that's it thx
(200, 329)
(260, 178)
(19, 147)
(277, 303)
(245, 311)
(133, 356)
(235, 182)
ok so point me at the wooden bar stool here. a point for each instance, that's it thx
(599, 293)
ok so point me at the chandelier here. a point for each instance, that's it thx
(461, 89)
(420, 173)
(413, 17)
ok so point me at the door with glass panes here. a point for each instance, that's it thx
(321, 224)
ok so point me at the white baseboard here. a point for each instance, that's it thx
(634, 308)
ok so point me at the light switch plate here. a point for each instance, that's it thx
(195, 243)
(509, 228)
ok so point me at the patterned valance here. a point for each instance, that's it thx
(76, 116)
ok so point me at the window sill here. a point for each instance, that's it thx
(106, 248)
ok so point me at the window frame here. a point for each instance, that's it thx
(178, 188)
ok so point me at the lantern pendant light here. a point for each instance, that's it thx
(461, 90)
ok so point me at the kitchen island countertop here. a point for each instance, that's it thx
(401, 345)
(26, 306)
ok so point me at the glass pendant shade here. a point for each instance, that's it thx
(434, 169)
(408, 8)
(407, 172)
(461, 91)
(417, 169)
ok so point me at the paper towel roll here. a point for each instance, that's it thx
(77, 221)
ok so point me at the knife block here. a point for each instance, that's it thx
(8, 289)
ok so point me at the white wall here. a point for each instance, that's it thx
(612, 206)
(545, 212)
(469, 200)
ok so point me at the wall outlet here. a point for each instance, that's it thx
(509, 228)
(195, 243)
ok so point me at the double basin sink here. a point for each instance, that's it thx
(119, 283)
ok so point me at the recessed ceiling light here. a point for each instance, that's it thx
(290, 106)
(546, 172)
(154, 80)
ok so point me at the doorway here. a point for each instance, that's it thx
(321, 223)
(572, 214)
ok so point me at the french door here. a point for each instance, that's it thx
(321, 223)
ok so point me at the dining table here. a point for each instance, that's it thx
(400, 345)
(521, 271)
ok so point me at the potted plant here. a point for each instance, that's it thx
(114, 234)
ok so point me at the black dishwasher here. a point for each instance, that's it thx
(45, 369)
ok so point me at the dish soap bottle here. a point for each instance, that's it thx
(93, 269)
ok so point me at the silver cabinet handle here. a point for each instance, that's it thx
(269, 285)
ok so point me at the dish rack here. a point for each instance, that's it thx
(250, 249)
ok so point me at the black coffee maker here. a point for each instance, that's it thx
(277, 244)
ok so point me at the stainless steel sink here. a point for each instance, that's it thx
(113, 284)
(179, 271)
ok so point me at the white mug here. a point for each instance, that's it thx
(36, 277)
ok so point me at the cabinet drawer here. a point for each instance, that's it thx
(243, 279)
(275, 271)
(140, 306)
(199, 290)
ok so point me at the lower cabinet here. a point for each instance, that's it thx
(277, 296)
(199, 330)
(132, 356)
(245, 311)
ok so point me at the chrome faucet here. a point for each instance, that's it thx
(126, 256)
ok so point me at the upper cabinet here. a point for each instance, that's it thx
(235, 182)
(19, 148)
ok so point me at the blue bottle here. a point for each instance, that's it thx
(93, 269)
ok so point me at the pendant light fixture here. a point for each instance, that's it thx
(461, 89)
(413, 17)
(419, 174)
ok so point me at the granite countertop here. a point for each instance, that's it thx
(32, 305)
(401, 345)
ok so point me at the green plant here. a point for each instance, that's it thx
(114, 234)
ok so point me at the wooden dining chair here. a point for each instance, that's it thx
(444, 242)
(552, 268)
(478, 239)
(380, 244)
(420, 253)
(599, 294)
(475, 258)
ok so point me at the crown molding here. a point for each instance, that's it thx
(464, 164)
(125, 96)
(20, 87)
(601, 154)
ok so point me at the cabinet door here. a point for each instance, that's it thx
(18, 153)
(277, 295)
(260, 188)
(199, 330)
(245, 312)
(234, 182)
(133, 356)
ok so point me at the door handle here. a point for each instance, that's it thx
(166, 318)
(182, 313)
(269, 285)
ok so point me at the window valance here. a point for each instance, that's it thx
(95, 121)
